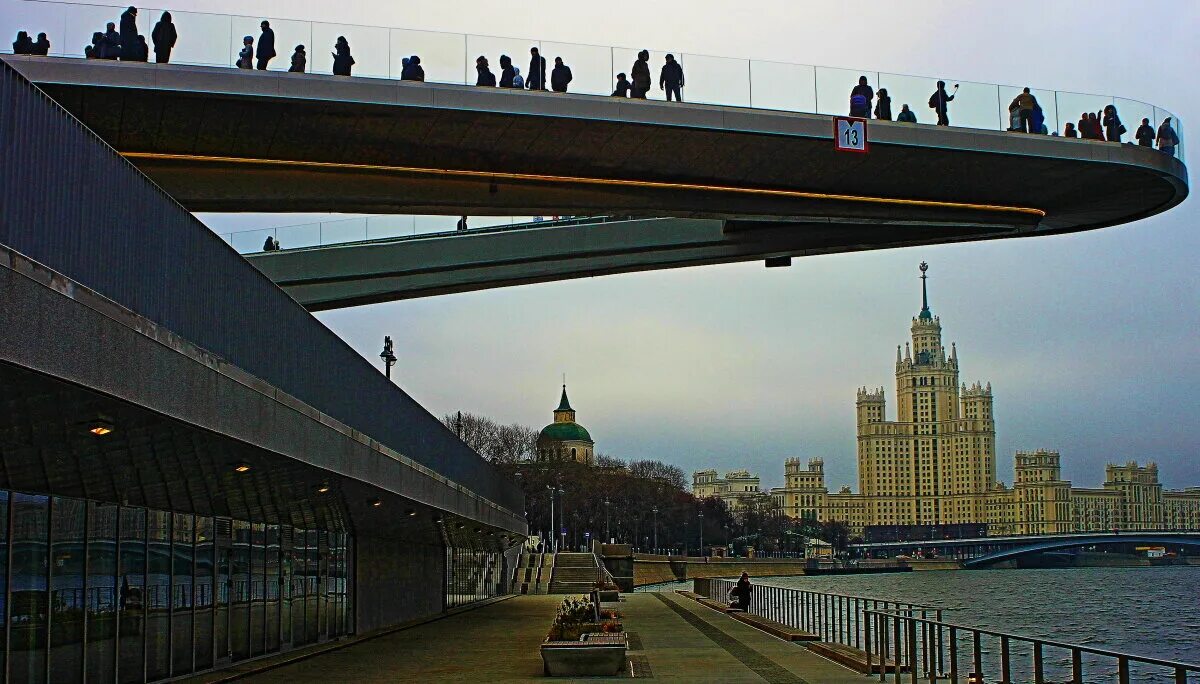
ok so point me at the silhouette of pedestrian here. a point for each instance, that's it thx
(1113, 128)
(623, 86)
(299, 61)
(269, 245)
(246, 56)
(1145, 134)
(906, 115)
(112, 42)
(485, 76)
(164, 37)
(1069, 131)
(507, 72)
(266, 45)
(518, 82)
(640, 74)
(462, 223)
(940, 102)
(560, 77)
(41, 46)
(1024, 105)
(93, 51)
(412, 70)
(129, 34)
(670, 78)
(23, 45)
(142, 49)
(537, 70)
(342, 61)
(883, 105)
(860, 99)
(1167, 137)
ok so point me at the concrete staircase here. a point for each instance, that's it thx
(574, 573)
(533, 574)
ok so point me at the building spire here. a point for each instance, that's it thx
(563, 404)
(924, 293)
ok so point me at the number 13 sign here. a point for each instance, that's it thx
(849, 134)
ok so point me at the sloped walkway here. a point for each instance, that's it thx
(672, 639)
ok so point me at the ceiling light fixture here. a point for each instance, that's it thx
(322, 488)
(100, 427)
(375, 502)
(241, 467)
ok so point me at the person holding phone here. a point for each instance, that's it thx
(939, 102)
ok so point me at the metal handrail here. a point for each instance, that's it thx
(903, 642)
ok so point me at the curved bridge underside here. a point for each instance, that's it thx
(1082, 542)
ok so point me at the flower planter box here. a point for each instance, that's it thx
(608, 596)
(597, 655)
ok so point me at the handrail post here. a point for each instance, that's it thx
(867, 645)
(1122, 670)
(1039, 675)
(977, 648)
(914, 671)
(1076, 666)
(1005, 664)
(941, 667)
(954, 654)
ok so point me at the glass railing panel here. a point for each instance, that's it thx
(1132, 112)
(247, 241)
(834, 86)
(382, 227)
(1010, 119)
(40, 17)
(443, 55)
(975, 105)
(591, 66)
(303, 235)
(777, 85)
(369, 47)
(714, 80)
(346, 230)
(204, 39)
(515, 48)
(913, 91)
(435, 224)
(490, 221)
(81, 21)
(288, 34)
(1073, 106)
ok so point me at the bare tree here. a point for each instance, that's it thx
(657, 470)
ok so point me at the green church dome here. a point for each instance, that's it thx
(565, 432)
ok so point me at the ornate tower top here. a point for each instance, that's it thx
(925, 314)
(564, 413)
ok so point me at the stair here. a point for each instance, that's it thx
(533, 574)
(574, 573)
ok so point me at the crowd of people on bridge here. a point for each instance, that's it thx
(1025, 116)
(1025, 113)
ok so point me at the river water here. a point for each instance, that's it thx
(1143, 611)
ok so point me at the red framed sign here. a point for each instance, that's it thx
(850, 134)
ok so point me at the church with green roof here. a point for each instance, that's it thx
(564, 439)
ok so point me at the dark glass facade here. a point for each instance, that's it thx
(473, 575)
(114, 593)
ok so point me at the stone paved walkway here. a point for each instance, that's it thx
(680, 641)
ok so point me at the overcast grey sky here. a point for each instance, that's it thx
(1090, 341)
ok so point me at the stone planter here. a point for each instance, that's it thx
(601, 655)
(608, 595)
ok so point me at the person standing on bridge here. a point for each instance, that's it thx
(412, 70)
(622, 89)
(163, 36)
(537, 70)
(129, 35)
(112, 42)
(560, 77)
(507, 72)
(299, 61)
(23, 45)
(1113, 128)
(940, 101)
(860, 99)
(246, 56)
(342, 61)
(485, 76)
(1024, 105)
(41, 46)
(1145, 134)
(742, 591)
(640, 74)
(1167, 137)
(266, 45)
(670, 78)
(906, 115)
(883, 105)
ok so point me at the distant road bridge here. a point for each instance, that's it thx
(985, 551)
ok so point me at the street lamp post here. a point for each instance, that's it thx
(686, 540)
(655, 511)
(701, 534)
(389, 358)
(607, 533)
(562, 518)
(553, 537)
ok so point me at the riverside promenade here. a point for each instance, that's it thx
(672, 638)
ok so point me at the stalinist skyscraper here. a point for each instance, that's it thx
(936, 462)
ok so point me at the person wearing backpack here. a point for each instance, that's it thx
(860, 99)
(940, 100)
(517, 81)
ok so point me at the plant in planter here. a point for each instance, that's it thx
(564, 654)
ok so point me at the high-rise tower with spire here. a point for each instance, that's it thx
(936, 462)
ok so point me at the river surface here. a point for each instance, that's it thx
(1143, 611)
